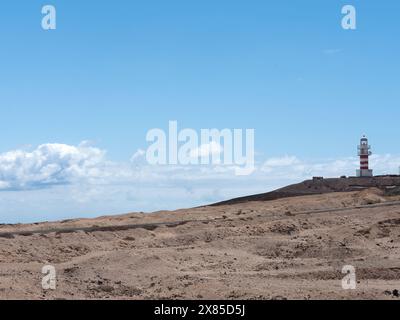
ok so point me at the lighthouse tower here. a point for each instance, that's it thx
(364, 151)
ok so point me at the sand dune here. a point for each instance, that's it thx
(291, 248)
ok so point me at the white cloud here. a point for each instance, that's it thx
(48, 164)
(292, 167)
(281, 162)
(51, 164)
(59, 180)
(61, 164)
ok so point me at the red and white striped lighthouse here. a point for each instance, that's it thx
(364, 151)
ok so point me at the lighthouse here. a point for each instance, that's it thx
(364, 151)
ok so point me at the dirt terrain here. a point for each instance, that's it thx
(319, 185)
(290, 248)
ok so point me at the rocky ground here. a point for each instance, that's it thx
(292, 248)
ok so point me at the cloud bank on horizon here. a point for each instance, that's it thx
(81, 181)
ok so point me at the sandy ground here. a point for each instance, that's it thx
(291, 248)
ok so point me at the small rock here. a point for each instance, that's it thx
(279, 298)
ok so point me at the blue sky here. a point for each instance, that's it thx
(115, 69)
